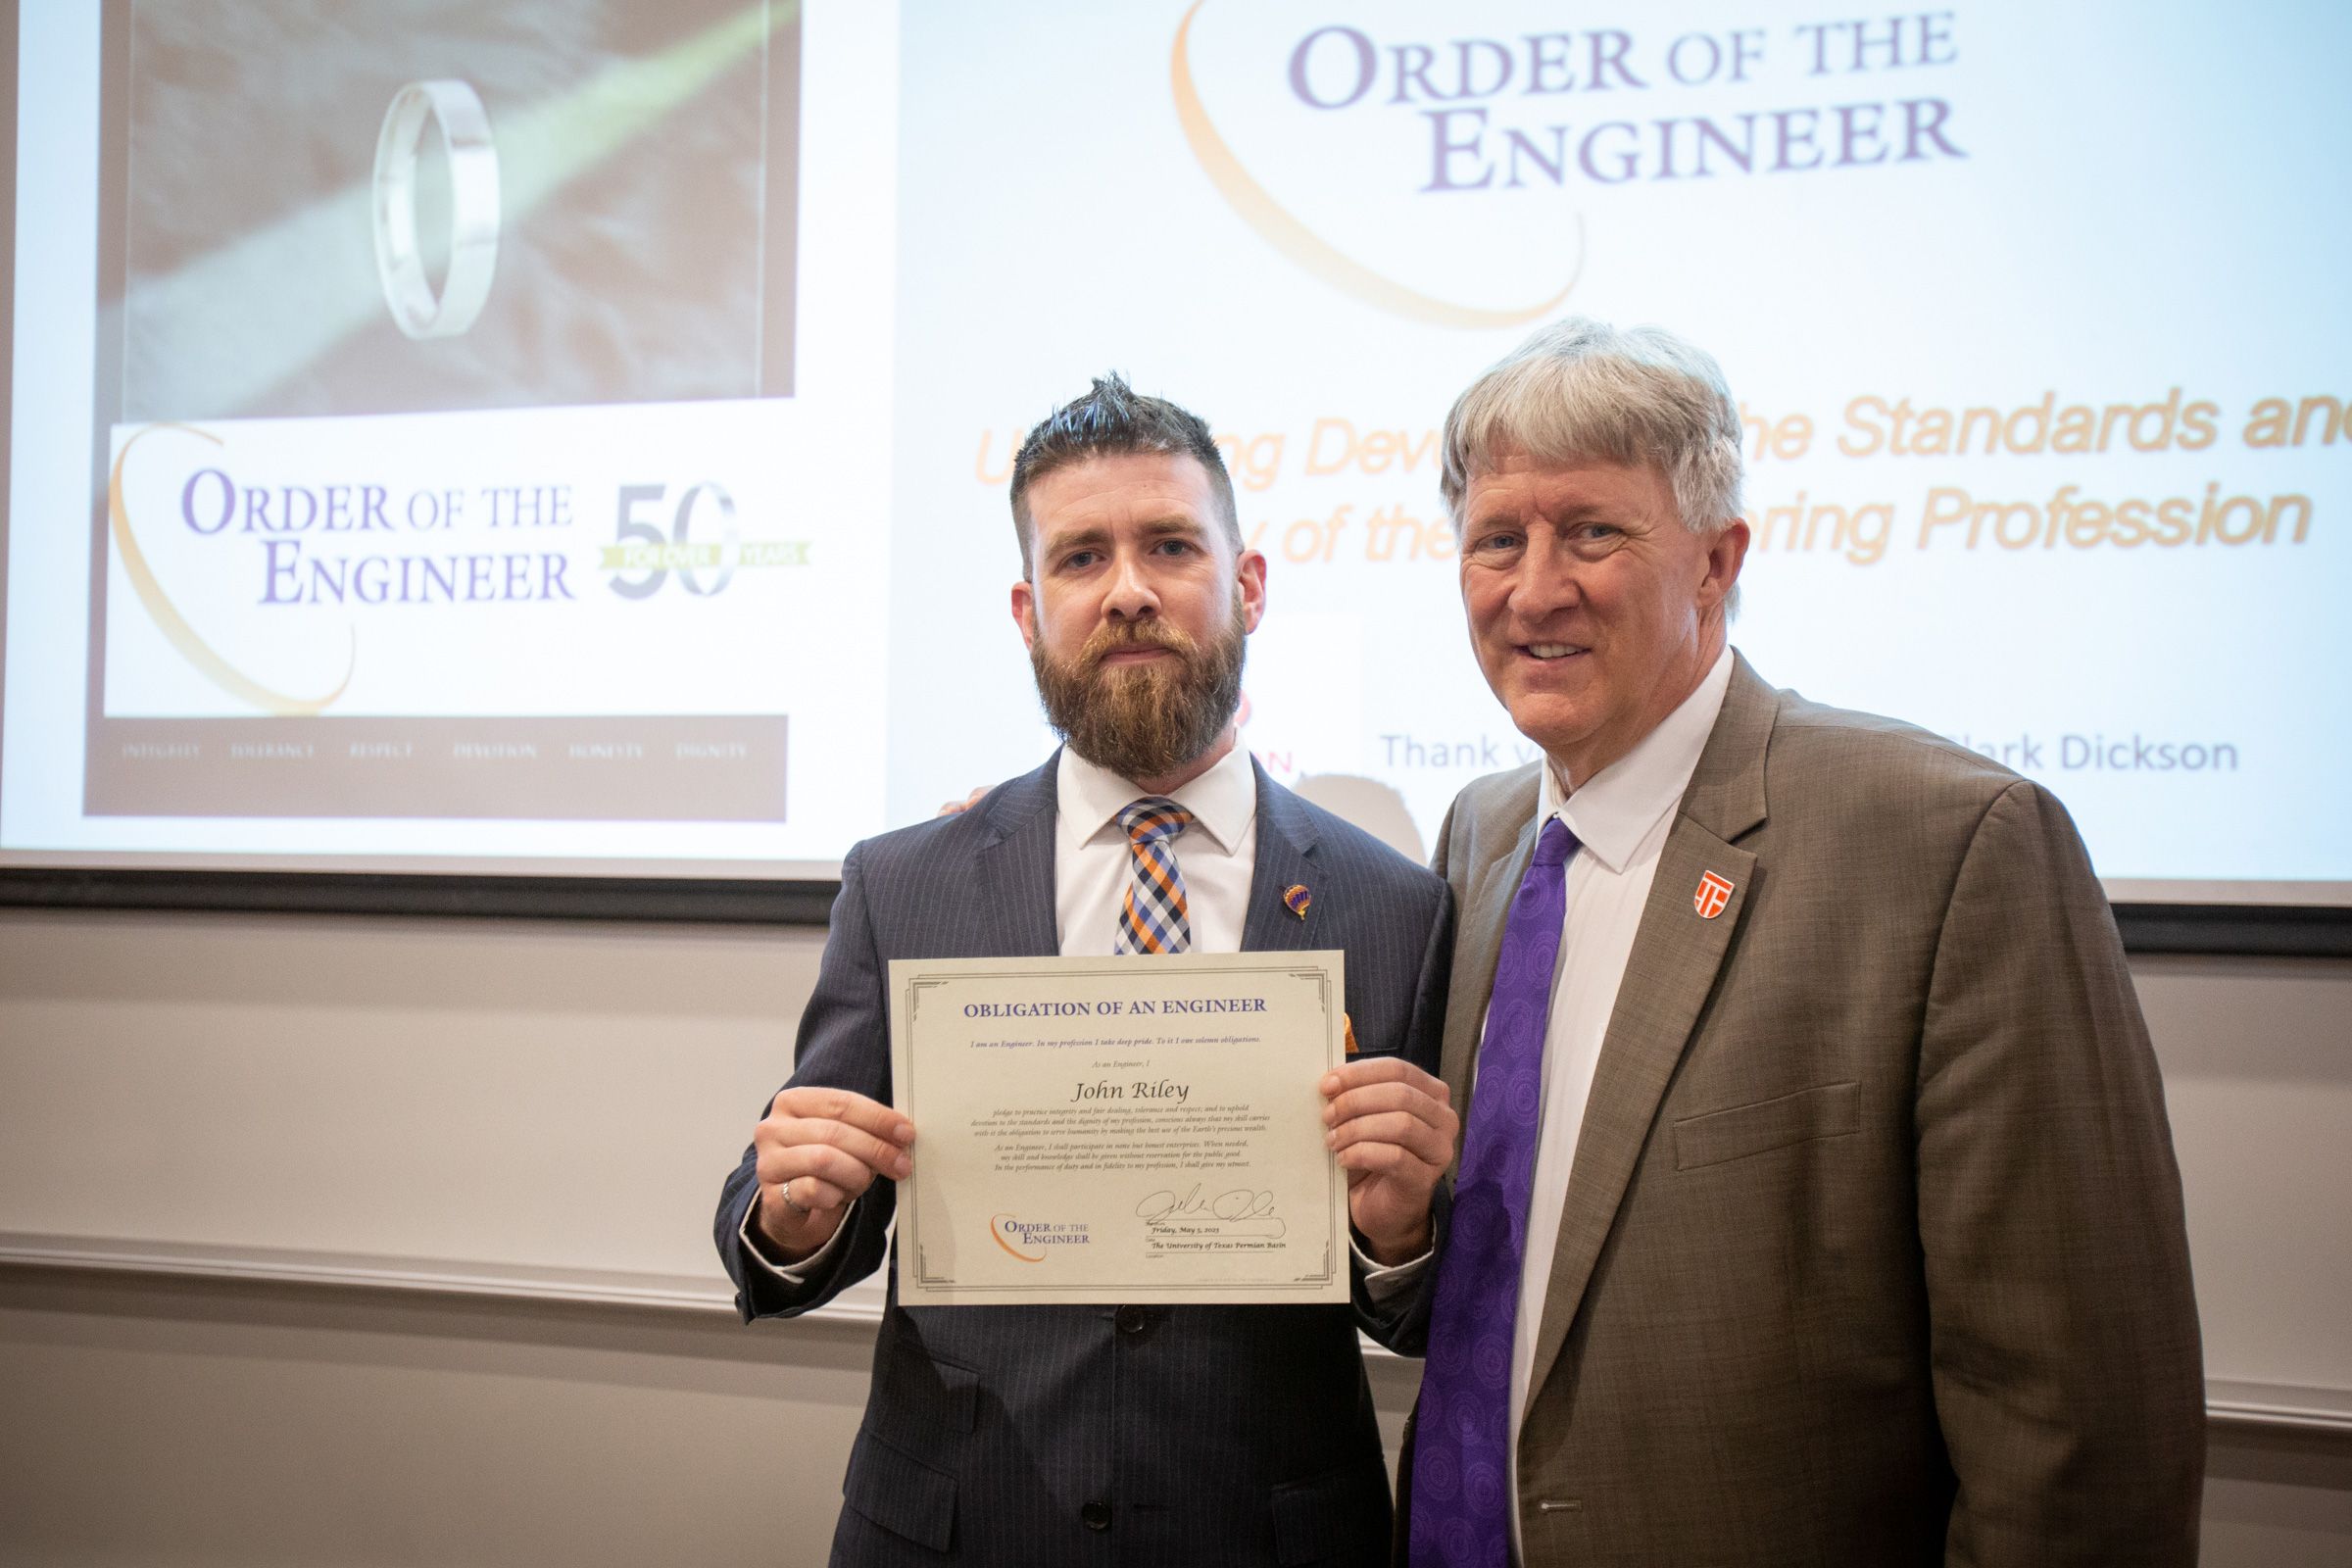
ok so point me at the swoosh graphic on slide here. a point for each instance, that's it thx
(174, 626)
(1007, 1245)
(1303, 245)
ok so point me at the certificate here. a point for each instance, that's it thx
(1112, 1130)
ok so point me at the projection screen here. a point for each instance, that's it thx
(566, 437)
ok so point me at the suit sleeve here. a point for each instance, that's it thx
(1399, 1321)
(2063, 1331)
(844, 1042)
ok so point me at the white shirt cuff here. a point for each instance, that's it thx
(1386, 1282)
(798, 1273)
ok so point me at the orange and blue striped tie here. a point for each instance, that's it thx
(1152, 916)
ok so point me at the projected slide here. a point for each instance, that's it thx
(314, 608)
(2032, 311)
(462, 455)
(561, 437)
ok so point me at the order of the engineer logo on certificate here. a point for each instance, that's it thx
(1016, 1235)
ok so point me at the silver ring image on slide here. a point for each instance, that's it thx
(473, 208)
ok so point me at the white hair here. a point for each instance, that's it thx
(1584, 391)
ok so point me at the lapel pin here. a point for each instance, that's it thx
(1348, 1025)
(1294, 899)
(1714, 892)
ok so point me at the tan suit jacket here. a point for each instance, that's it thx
(1873, 1249)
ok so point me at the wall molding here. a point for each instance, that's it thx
(2266, 1405)
(2258, 930)
(687, 1293)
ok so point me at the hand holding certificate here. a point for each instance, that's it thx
(1116, 1130)
(832, 1145)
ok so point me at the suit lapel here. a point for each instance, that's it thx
(1485, 909)
(1015, 866)
(1668, 975)
(1286, 847)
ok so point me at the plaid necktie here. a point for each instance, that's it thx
(1153, 917)
(1461, 1445)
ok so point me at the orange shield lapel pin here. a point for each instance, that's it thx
(1714, 892)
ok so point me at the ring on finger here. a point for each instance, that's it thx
(795, 1205)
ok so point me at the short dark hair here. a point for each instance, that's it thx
(1112, 419)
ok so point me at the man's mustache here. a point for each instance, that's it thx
(1126, 636)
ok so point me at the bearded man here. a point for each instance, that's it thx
(1036, 1435)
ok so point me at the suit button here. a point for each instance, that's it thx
(1097, 1515)
(1132, 1319)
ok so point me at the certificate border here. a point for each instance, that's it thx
(911, 1267)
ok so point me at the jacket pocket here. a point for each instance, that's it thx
(900, 1494)
(924, 1404)
(1825, 1110)
(1341, 1517)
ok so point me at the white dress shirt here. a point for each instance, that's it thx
(1216, 854)
(1620, 819)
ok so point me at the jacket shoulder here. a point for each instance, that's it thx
(1347, 848)
(1511, 793)
(921, 840)
(1487, 818)
(1818, 751)
(1859, 790)
(993, 814)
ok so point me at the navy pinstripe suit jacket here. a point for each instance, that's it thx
(1032, 1437)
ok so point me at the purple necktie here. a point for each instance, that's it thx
(1461, 1445)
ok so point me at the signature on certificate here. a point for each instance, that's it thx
(1236, 1211)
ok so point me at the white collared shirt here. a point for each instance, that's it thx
(1216, 854)
(1620, 819)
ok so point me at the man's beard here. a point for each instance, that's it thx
(1146, 720)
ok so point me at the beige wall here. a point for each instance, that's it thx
(536, 1110)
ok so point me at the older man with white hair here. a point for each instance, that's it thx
(1816, 1201)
